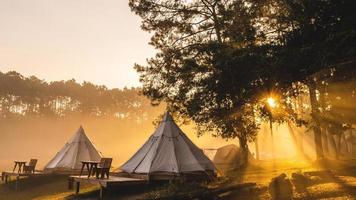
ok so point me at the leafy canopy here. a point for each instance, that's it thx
(218, 58)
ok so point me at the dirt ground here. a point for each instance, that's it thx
(340, 185)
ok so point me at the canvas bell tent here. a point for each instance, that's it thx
(69, 158)
(169, 153)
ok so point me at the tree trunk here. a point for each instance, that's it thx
(338, 144)
(300, 138)
(325, 140)
(315, 116)
(216, 24)
(323, 123)
(244, 149)
(333, 144)
(346, 147)
(257, 149)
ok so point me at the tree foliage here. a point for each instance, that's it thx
(217, 59)
(195, 70)
(30, 96)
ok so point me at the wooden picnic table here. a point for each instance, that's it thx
(90, 165)
(20, 165)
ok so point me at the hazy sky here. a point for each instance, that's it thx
(93, 40)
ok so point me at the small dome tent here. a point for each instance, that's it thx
(229, 157)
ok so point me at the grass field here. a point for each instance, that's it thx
(341, 186)
(52, 187)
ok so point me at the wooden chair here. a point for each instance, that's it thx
(30, 168)
(103, 168)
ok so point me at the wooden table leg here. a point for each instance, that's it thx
(90, 170)
(14, 167)
(95, 169)
(6, 179)
(97, 174)
(20, 166)
(77, 188)
(81, 170)
(102, 175)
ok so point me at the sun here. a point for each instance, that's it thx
(271, 102)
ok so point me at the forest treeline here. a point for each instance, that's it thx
(31, 96)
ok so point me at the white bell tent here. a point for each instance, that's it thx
(169, 152)
(77, 149)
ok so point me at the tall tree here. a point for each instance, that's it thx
(207, 49)
(216, 58)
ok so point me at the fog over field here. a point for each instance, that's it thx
(42, 138)
(39, 117)
(22, 139)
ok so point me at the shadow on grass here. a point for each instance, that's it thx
(30, 182)
(33, 187)
(328, 195)
(332, 173)
(257, 193)
(120, 192)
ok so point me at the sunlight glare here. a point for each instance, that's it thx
(271, 102)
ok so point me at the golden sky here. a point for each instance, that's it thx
(93, 40)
